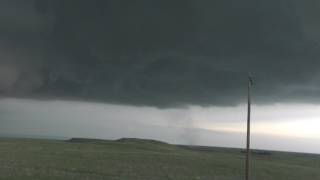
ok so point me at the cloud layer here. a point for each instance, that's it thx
(160, 53)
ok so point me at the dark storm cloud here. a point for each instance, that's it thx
(160, 53)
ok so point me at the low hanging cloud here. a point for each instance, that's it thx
(160, 53)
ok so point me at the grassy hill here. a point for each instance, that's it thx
(136, 159)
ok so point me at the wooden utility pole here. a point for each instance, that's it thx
(247, 173)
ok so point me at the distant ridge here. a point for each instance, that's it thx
(137, 140)
(121, 140)
(87, 140)
(223, 149)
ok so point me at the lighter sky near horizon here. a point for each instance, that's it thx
(286, 127)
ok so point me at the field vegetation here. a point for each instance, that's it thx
(136, 159)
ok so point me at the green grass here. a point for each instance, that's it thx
(133, 159)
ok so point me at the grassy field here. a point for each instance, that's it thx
(143, 160)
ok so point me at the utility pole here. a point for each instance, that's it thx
(247, 173)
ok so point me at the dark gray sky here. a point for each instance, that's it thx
(124, 68)
(160, 53)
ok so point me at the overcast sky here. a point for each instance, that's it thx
(169, 70)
